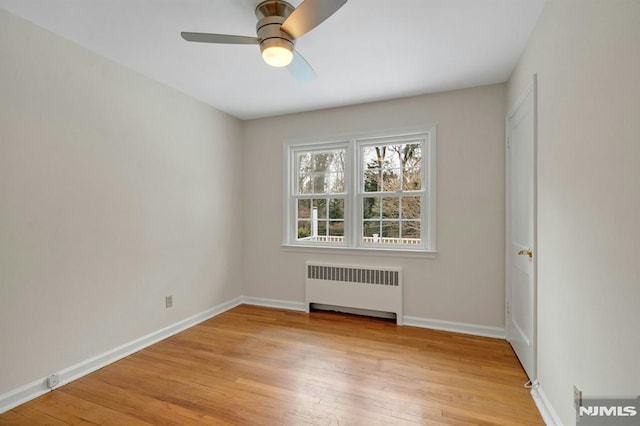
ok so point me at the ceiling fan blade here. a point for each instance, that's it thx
(309, 15)
(300, 69)
(219, 38)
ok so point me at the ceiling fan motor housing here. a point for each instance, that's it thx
(271, 15)
(273, 8)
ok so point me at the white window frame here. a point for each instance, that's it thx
(354, 184)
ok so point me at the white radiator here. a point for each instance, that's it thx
(360, 287)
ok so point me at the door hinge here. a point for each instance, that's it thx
(508, 308)
(508, 143)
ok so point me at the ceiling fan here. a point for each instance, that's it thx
(279, 26)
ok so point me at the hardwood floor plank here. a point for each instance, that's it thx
(137, 405)
(79, 411)
(27, 416)
(259, 366)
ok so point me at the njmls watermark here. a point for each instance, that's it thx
(609, 412)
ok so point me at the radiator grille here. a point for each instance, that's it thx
(353, 275)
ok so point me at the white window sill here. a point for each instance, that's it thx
(361, 251)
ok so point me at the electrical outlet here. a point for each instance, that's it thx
(168, 301)
(577, 397)
(52, 381)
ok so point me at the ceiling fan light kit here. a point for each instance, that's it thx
(279, 25)
(277, 53)
(276, 45)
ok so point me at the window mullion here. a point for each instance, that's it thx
(355, 225)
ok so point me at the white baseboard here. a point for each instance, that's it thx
(545, 408)
(456, 327)
(38, 387)
(273, 303)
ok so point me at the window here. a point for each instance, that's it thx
(320, 195)
(373, 191)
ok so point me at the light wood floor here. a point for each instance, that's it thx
(260, 366)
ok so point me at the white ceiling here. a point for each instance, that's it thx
(369, 50)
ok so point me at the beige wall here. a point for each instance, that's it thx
(466, 281)
(112, 195)
(586, 55)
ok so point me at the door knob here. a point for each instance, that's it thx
(526, 252)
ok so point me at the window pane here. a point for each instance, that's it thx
(335, 182)
(304, 163)
(391, 180)
(304, 209)
(411, 229)
(371, 207)
(391, 229)
(412, 179)
(411, 207)
(372, 180)
(371, 228)
(408, 154)
(391, 207)
(411, 158)
(321, 172)
(372, 157)
(304, 229)
(319, 183)
(338, 160)
(336, 228)
(321, 161)
(329, 161)
(336, 208)
(305, 184)
(322, 227)
(321, 205)
(305, 167)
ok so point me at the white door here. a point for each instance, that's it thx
(521, 229)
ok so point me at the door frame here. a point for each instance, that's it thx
(531, 89)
